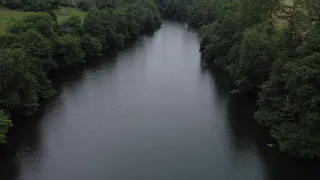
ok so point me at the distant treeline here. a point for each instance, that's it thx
(48, 5)
(269, 47)
(38, 44)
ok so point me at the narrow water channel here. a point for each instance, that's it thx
(149, 112)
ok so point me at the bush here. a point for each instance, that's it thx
(14, 4)
(84, 5)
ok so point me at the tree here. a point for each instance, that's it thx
(289, 104)
(68, 51)
(41, 22)
(13, 4)
(257, 53)
(84, 5)
(18, 92)
(40, 51)
(5, 123)
(91, 46)
(72, 26)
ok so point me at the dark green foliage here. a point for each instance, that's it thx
(289, 105)
(33, 5)
(18, 92)
(91, 46)
(289, 101)
(174, 8)
(113, 26)
(40, 51)
(36, 5)
(101, 4)
(92, 24)
(10, 40)
(257, 52)
(202, 12)
(147, 14)
(5, 123)
(84, 5)
(41, 22)
(72, 26)
(112, 31)
(13, 4)
(220, 40)
(68, 51)
(55, 3)
(40, 48)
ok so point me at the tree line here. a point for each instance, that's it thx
(269, 48)
(38, 44)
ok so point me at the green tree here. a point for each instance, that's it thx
(41, 22)
(72, 26)
(91, 46)
(18, 92)
(40, 51)
(289, 100)
(68, 51)
(5, 123)
(257, 53)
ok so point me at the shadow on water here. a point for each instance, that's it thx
(26, 132)
(250, 137)
(24, 135)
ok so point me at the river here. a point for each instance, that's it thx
(152, 111)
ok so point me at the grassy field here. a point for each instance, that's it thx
(9, 17)
(69, 12)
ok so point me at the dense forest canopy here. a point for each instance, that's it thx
(38, 44)
(269, 47)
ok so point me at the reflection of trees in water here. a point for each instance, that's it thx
(9, 165)
(250, 138)
(74, 75)
(220, 76)
(24, 140)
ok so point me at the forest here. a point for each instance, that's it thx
(38, 44)
(270, 49)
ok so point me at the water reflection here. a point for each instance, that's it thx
(23, 145)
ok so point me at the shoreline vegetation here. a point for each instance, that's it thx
(269, 48)
(48, 36)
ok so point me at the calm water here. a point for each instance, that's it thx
(149, 112)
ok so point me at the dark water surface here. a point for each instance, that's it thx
(149, 112)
